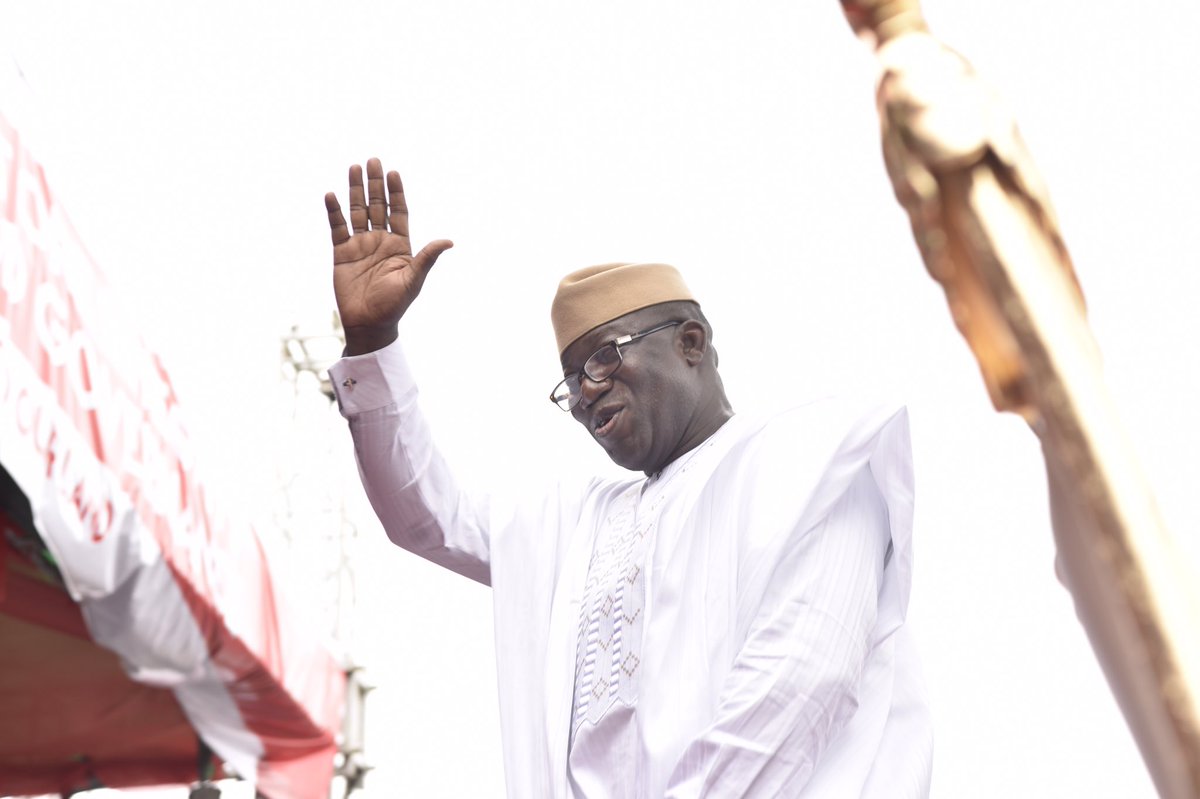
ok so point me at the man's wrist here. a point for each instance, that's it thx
(360, 341)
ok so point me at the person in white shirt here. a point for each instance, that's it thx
(727, 623)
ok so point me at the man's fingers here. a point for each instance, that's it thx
(377, 203)
(397, 208)
(429, 254)
(337, 222)
(358, 201)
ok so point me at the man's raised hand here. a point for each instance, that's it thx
(375, 275)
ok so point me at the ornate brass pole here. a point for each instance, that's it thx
(986, 230)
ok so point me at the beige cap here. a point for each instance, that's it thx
(597, 294)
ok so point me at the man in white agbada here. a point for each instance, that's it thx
(730, 624)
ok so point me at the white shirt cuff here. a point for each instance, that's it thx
(371, 381)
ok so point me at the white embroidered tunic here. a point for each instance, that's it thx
(608, 650)
(610, 624)
(734, 628)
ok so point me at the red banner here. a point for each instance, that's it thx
(91, 432)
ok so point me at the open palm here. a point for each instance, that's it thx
(375, 275)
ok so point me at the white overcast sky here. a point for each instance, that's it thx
(191, 143)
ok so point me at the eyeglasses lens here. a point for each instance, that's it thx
(566, 393)
(603, 362)
(600, 366)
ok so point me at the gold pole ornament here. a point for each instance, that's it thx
(987, 232)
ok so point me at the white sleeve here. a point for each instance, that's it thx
(793, 685)
(408, 483)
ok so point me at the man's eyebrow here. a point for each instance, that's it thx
(595, 347)
(568, 372)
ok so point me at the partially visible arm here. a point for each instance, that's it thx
(376, 278)
(794, 684)
(410, 486)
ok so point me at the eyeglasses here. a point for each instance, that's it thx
(600, 366)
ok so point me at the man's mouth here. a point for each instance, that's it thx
(604, 422)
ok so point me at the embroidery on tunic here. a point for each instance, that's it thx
(611, 615)
(608, 644)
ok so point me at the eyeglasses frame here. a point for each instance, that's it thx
(616, 344)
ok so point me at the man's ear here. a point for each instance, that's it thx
(693, 341)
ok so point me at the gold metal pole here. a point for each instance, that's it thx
(986, 230)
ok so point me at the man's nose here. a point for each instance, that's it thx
(591, 390)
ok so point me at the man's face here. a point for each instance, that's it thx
(640, 414)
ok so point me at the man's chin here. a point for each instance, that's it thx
(624, 459)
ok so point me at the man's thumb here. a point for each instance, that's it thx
(429, 254)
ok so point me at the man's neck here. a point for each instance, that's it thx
(707, 425)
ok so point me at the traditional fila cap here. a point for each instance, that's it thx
(597, 294)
